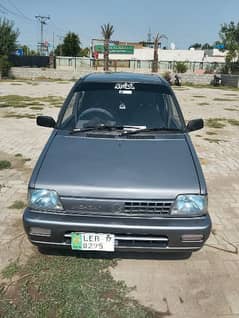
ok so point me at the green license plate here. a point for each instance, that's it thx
(92, 241)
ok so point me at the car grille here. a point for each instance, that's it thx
(79, 206)
(147, 207)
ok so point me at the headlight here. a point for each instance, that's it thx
(189, 205)
(42, 199)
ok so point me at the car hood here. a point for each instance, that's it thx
(157, 168)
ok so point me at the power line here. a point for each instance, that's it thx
(7, 10)
(20, 12)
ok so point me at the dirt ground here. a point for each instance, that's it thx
(205, 285)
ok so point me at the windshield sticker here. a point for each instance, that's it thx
(125, 85)
(125, 92)
(122, 106)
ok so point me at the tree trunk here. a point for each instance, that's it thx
(106, 55)
(156, 59)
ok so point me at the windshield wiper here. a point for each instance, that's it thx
(138, 131)
(103, 127)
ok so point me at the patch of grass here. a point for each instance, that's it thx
(26, 159)
(19, 116)
(63, 286)
(18, 101)
(230, 94)
(17, 205)
(211, 140)
(233, 122)
(215, 123)
(219, 99)
(11, 270)
(32, 83)
(16, 83)
(203, 104)
(231, 109)
(5, 164)
(229, 88)
(18, 155)
(211, 133)
(199, 96)
(36, 107)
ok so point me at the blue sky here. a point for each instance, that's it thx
(183, 21)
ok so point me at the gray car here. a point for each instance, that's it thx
(119, 171)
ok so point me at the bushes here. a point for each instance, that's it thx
(4, 66)
(181, 67)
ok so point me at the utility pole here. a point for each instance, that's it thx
(42, 20)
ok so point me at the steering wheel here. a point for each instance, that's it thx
(96, 113)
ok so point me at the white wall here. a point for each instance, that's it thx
(146, 54)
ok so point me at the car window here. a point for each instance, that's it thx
(69, 110)
(150, 106)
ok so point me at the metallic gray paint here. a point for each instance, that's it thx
(77, 166)
(158, 168)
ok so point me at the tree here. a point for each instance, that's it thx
(58, 50)
(107, 31)
(155, 64)
(26, 50)
(85, 52)
(229, 35)
(71, 45)
(207, 46)
(8, 37)
(196, 46)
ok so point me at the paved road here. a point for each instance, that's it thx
(207, 284)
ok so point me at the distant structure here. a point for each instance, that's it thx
(43, 46)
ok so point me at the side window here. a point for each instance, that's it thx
(69, 110)
(173, 115)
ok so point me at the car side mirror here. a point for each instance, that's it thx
(195, 124)
(46, 121)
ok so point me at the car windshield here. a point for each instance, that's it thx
(137, 106)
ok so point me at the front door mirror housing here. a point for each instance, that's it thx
(195, 124)
(46, 121)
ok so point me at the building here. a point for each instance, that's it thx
(138, 56)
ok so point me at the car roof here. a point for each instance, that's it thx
(112, 77)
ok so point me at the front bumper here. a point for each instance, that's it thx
(131, 234)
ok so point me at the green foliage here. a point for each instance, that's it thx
(63, 286)
(181, 67)
(11, 270)
(85, 52)
(5, 164)
(196, 46)
(5, 66)
(26, 50)
(207, 46)
(17, 205)
(71, 45)
(58, 50)
(215, 123)
(229, 35)
(107, 31)
(8, 37)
